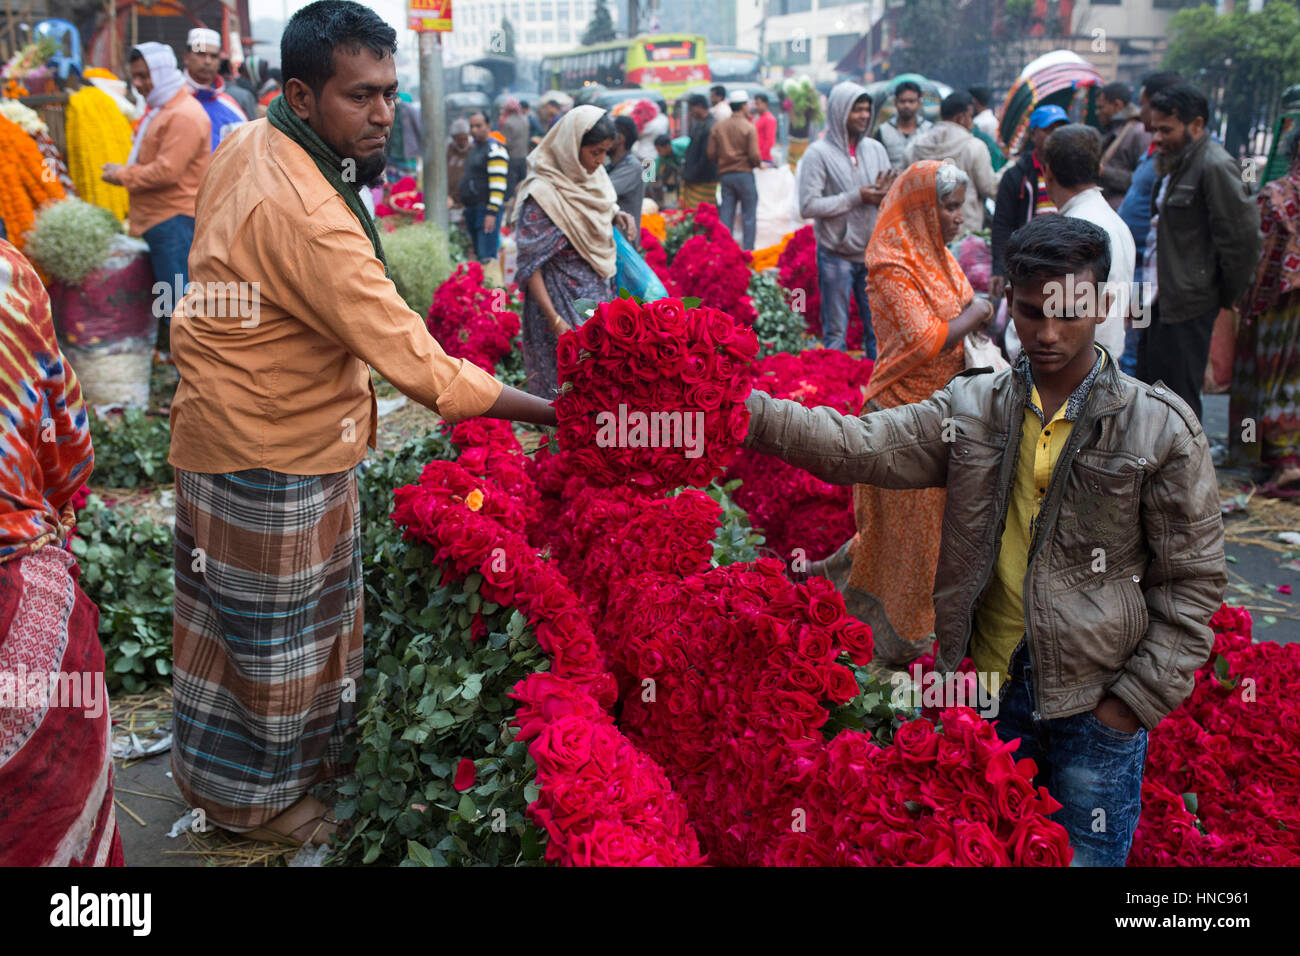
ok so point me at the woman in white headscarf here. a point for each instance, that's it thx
(565, 214)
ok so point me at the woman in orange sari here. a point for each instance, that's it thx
(925, 308)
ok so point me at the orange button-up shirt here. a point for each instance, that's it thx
(287, 306)
(173, 157)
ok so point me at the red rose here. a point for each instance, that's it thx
(1040, 842)
(464, 775)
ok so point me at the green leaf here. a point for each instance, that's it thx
(691, 302)
(466, 808)
(1190, 802)
(419, 853)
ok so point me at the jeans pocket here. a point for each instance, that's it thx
(1109, 731)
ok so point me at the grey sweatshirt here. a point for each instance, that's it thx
(829, 180)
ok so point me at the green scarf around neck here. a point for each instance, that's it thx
(330, 164)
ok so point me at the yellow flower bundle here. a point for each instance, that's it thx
(26, 183)
(97, 133)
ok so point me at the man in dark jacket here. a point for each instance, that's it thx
(1022, 192)
(699, 173)
(483, 188)
(1082, 551)
(1124, 144)
(1207, 243)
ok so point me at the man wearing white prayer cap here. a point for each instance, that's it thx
(168, 158)
(202, 58)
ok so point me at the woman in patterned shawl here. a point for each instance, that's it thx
(56, 767)
(922, 306)
(565, 213)
(1267, 374)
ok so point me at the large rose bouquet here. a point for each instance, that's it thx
(473, 322)
(653, 395)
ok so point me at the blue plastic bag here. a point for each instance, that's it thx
(633, 273)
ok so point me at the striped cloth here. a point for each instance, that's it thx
(267, 637)
(695, 193)
(498, 171)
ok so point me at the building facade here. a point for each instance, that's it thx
(540, 26)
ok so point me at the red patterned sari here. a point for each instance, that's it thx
(56, 768)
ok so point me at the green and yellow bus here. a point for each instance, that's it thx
(666, 63)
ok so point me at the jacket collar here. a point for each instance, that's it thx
(1102, 378)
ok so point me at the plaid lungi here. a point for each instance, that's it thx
(267, 638)
(695, 193)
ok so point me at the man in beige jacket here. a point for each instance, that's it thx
(951, 139)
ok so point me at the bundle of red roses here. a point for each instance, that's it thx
(950, 797)
(473, 322)
(601, 802)
(725, 677)
(490, 450)
(1222, 779)
(713, 267)
(794, 509)
(653, 395)
(797, 274)
(607, 535)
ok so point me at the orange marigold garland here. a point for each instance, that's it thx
(26, 182)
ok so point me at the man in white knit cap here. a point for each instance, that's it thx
(202, 60)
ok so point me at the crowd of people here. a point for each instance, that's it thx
(980, 498)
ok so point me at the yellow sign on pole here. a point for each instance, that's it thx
(429, 16)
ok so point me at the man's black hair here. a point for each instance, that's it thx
(469, 117)
(1182, 100)
(1049, 247)
(697, 99)
(981, 95)
(1153, 83)
(663, 139)
(625, 127)
(719, 89)
(603, 130)
(1074, 155)
(318, 29)
(954, 104)
(762, 96)
(907, 86)
(1117, 91)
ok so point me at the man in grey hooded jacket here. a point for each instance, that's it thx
(842, 179)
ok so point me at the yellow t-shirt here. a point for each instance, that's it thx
(1000, 621)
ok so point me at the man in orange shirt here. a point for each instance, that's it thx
(167, 161)
(290, 304)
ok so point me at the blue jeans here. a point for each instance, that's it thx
(837, 279)
(1093, 770)
(740, 187)
(1128, 362)
(169, 254)
(485, 243)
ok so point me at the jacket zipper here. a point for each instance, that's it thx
(1052, 507)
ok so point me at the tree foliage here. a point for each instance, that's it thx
(1242, 61)
(601, 27)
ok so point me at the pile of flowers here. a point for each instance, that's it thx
(797, 273)
(1222, 781)
(97, 133)
(405, 198)
(26, 181)
(473, 322)
(949, 795)
(712, 266)
(793, 509)
(653, 394)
